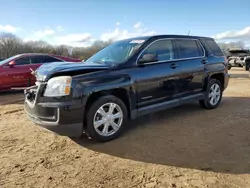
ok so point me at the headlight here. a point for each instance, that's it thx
(58, 86)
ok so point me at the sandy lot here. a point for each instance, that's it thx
(182, 147)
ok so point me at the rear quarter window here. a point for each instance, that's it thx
(213, 47)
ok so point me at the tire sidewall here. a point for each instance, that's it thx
(91, 113)
(207, 101)
(247, 64)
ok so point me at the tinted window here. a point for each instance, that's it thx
(50, 59)
(117, 52)
(214, 47)
(43, 59)
(200, 49)
(23, 61)
(187, 48)
(37, 60)
(163, 49)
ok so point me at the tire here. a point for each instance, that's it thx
(207, 102)
(99, 133)
(247, 66)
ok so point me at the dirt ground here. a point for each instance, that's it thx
(182, 147)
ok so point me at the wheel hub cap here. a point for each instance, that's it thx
(214, 94)
(108, 119)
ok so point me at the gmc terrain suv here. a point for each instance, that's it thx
(127, 79)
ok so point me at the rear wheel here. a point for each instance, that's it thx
(247, 67)
(106, 118)
(213, 95)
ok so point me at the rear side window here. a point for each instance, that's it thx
(214, 47)
(200, 49)
(188, 48)
(48, 59)
(37, 60)
(162, 48)
(43, 59)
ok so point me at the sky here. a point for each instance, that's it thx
(81, 22)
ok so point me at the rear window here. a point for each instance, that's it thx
(188, 48)
(214, 47)
(238, 51)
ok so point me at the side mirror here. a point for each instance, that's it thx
(146, 58)
(12, 64)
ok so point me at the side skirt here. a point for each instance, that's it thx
(165, 105)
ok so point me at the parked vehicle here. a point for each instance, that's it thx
(125, 80)
(16, 71)
(238, 58)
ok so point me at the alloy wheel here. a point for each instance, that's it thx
(214, 94)
(108, 119)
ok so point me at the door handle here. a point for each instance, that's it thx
(204, 61)
(173, 65)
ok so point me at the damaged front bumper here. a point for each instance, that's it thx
(55, 114)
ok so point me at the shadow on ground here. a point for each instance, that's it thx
(239, 73)
(11, 96)
(189, 137)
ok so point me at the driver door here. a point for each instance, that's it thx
(158, 81)
(19, 73)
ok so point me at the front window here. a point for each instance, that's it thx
(163, 49)
(8, 59)
(117, 52)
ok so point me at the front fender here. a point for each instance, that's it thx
(84, 88)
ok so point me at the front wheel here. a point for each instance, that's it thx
(106, 118)
(213, 95)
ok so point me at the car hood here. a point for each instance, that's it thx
(48, 70)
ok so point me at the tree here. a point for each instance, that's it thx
(9, 44)
(12, 45)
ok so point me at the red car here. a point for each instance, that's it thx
(16, 71)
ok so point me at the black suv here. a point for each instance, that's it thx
(127, 79)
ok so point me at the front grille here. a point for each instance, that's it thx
(31, 94)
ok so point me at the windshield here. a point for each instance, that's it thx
(8, 59)
(117, 52)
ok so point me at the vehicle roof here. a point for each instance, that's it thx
(167, 36)
(31, 54)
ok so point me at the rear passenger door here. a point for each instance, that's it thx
(191, 55)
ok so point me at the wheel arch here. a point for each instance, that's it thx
(218, 76)
(121, 93)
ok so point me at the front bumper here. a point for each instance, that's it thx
(63, 118)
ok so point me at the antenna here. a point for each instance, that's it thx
(188, 32)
